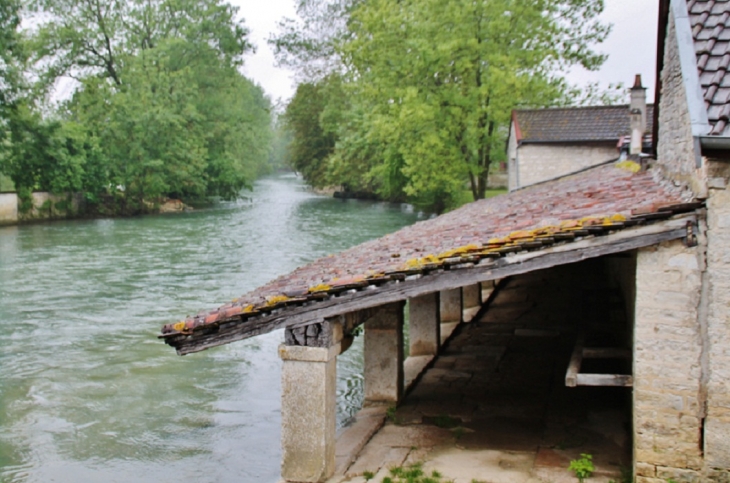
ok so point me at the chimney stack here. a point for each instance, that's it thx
(637, 115)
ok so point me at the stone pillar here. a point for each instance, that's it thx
(472, 295)
(424, 325)
(451, 307)
(384, 354)
(668, 364)
(308, 406)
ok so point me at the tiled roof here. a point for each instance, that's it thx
(566, 124)
(598, 200)
(711, 31)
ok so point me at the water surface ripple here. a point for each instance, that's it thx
(89, 394)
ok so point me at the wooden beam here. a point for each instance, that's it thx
(394, 291)
(576, 359)
(615, 380)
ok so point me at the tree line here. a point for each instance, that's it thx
(411, 99)
(158, 107)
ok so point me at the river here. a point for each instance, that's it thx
(87, 391)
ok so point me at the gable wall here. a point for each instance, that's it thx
(675, 151)
(541, 162)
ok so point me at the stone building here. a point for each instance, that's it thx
(545, 144)
(659, 230)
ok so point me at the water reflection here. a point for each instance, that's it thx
(87, 393)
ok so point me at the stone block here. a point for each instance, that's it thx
(679, 475)
(644, 469)
(717, 443)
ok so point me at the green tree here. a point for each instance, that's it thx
(440, 79)
(311, 144)
(160, 102)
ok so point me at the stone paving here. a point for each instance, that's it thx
(493, 406)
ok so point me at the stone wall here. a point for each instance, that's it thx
(717, 423)
(8, 208)
(675, 151)
(668, 364)
(46, 206)
(540, 162)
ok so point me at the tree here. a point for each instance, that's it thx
(308, 45)
(311, 145)
(160, 102)
(440, 79)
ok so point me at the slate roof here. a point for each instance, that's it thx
(599, 200)
(711, 32)
(571, 124)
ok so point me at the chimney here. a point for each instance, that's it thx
(637, 115)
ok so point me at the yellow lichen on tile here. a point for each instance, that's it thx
(248, 309)
(322, 287)
(180, 326)
(472, 247)
(628, 165)
(275, 299)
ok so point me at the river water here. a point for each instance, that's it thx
(87, 391)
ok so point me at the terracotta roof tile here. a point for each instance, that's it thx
(486, 228)
(594, 123)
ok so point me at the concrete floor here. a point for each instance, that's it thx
(493, 406)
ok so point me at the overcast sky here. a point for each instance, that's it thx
(631, 46)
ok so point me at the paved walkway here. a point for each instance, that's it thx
(493, 407)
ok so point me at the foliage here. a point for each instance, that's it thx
(311, 144)
(412, 474)
(159, 108)
(441, 79)
(308, 45)
(412, 99)
(582, 467)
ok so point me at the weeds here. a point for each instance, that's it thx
(582, 467)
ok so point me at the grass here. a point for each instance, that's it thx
(412, 474)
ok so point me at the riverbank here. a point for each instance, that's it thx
(44, 206)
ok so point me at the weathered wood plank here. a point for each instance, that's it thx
(614, 380)
(576, 359)
(394, 291)
(606, 353)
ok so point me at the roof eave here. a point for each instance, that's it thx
(488, 269)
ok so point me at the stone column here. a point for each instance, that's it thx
(472, 295)
(451, 307)
(384, 355)
(424, 325)
(308, 406)
(668, 364)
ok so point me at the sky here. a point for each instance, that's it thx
(631, 46)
